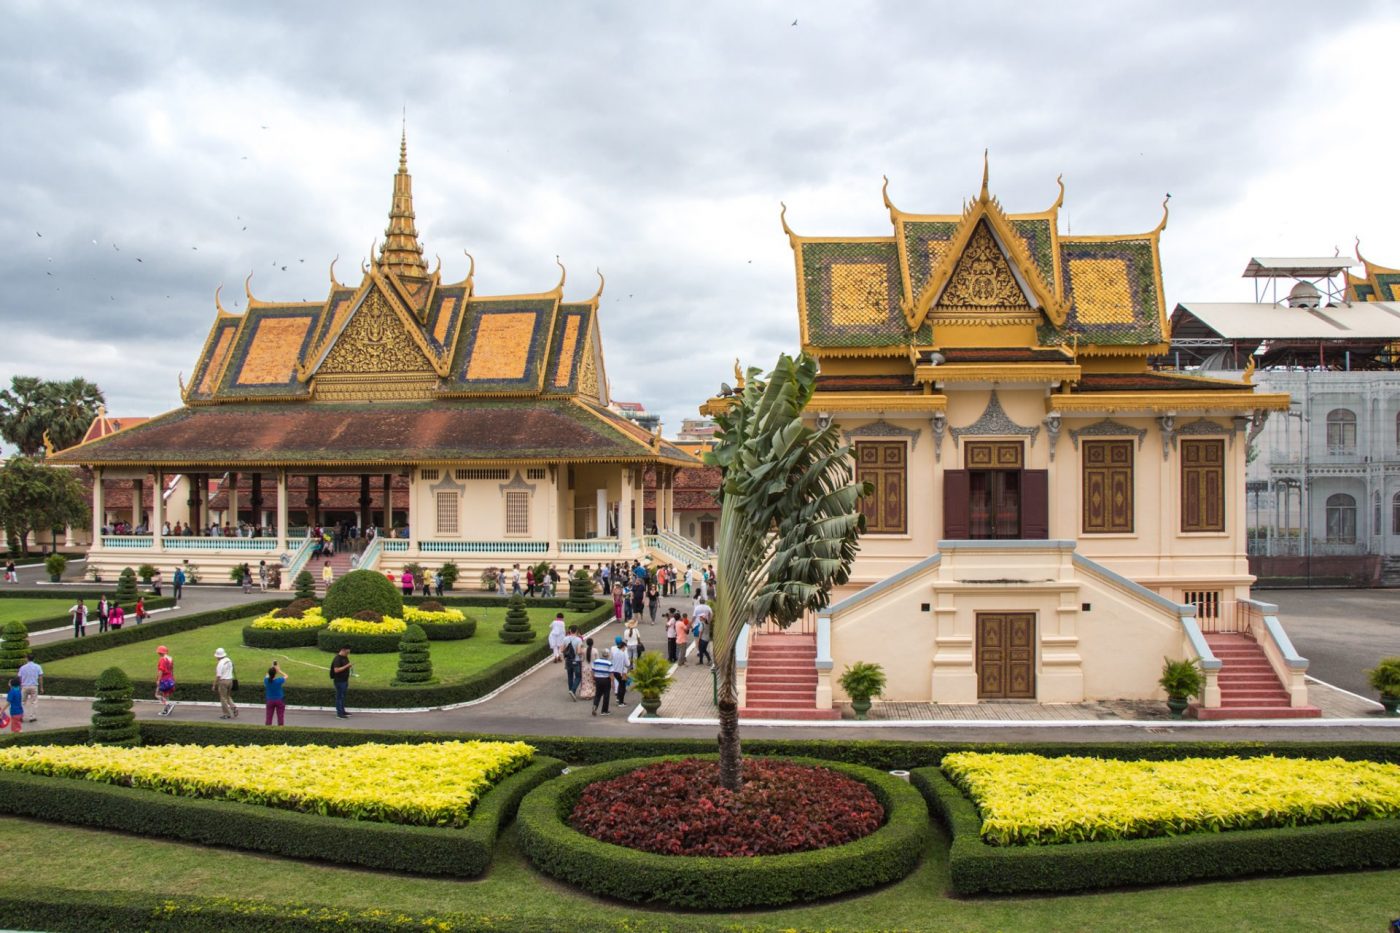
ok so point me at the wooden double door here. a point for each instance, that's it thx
(1006, 655)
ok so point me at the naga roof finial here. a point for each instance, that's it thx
(563, 274)
(1059, 201)
(885, 195)
(1360, 258)
(985, 195)
(782, 218)
(1163, 224)
(471, 271)
(248, 290)
(601, 282)
(334, 283)
(218, 307)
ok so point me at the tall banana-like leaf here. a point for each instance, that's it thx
(789, 522)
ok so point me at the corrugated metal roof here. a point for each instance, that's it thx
(1250, 320)
(1268, 267)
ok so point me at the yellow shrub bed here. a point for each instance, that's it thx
(311, 618)
(387, 626)
(433, 784)
(416, 616)
(1031, 800)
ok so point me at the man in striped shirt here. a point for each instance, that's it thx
(602, 680)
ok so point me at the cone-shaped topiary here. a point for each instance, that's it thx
(304, 584)
(581, 592)
(126, 586)
(359, 590)
(517, 629)
(415, 660)
(14, 645)
(113, 722)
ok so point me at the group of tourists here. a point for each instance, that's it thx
(606, 668)
(428, 584)
(225, 684)
(531, 581)
(22, 697)
(110, 615)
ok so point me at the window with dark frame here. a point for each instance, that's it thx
(884, 465)
(1108, 487)
(1202, 485)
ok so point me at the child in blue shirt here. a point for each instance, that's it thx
(16, 700)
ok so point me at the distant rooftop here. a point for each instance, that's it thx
(1269, 267)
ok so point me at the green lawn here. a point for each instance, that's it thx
(26, 609)
(512, 895)
(193, 651)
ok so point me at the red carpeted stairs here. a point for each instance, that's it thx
(781, 679)
(340, 563)
(1249, 688)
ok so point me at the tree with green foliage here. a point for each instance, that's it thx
(35, 497)
(789, 522)
(14, 645)
(113, 722)
(359, 590)
(32, 407)
(304, 585)
(517, 630)
(126, 586)
(415, 658)
(581, 592)
(450, 573)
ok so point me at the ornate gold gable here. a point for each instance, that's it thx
(375, 341)
(982, 278)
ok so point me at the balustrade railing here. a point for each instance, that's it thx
(589, 546)
(394, 545)
(369, 557)
(682, 550)
(483, 547)
(128, 542)
(298, 558)
(259, 545)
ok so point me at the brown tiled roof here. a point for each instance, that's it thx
(1153, 382)
(250, 434)
(877, 383)
(103, 425)
(1004, 355)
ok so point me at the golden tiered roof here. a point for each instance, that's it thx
(1380, 283)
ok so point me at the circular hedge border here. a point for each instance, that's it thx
(328, 640)
(448, 631)
(711, 883)
(280, 638)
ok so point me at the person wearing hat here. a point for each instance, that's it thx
(620, 667)
(165, 679)
(223, 683)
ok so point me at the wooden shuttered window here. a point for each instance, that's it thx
(884, 465)
(1035, 505)
(957, 512)
(1202, 485)
(1108, 487)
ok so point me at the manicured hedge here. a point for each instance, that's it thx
(279, 638)
(71, 597)
(328, 640)
(498, 602)
(150, 631)
(420, 850)
(305, 691)
(977, 868)
(449, 631)
(700, 882)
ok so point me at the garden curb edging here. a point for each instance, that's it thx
(420, 850)
(707, 883)
(977, 868)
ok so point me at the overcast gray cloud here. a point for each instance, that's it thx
(651, 140)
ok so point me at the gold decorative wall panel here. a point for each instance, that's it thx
(502, 346)
(860, 293)
(982, 277)
(565, 371)
(273, 351)
(1101, 291)
(376, 340)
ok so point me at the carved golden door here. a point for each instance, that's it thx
(1006, 655)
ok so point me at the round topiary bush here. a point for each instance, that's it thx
(368, 615)
(581, 592)
(415, 658)
(517, 630)
(304, 585)
(705, 882)
(359, 590)
(14, 645)
(126, 586)
(113, 722)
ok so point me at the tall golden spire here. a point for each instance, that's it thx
(401, 252)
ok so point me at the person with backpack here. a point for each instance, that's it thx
(573, 663)
(701, 633)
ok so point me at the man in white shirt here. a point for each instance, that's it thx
(620, 667)
(31, 684)
(702, 613)
(223, 683)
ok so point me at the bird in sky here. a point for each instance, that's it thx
(138, 259)
(794, 22)
(38, 234)
(116, 247)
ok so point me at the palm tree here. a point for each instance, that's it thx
(789, 522)
(71, 406)
(22, 414)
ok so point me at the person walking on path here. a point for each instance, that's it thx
(103, 613)
(140, 610)
(703, 614)
(165, 680)
(179, 581)
(78, 613)
(617, 602)
(573, 661)
(653, 598)
(671, 620)
(620, 667)
(274, 696)
(700, 632)
(340, 676)
(600, 666)
(262, 576)
(116, 617)
(246, 578)
(11, 574)
(515, 580)
(682, 639)
(634, 641)
(557, 631)
(405, 582)
(157, 581)
(15, 697)
(437, 583)
(328, 575)
(31, 684)
(223, 683)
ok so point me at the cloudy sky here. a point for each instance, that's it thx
(152, 151)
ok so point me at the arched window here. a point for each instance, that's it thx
(1341, 431)
(1341, 518)
(1395, 514)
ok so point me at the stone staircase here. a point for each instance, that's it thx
(340, 563)
(781, 679)
(1249, 688)
(1390, 571)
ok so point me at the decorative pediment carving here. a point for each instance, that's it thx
(883, 428)
(995, 422)
(982, 277)
(1108, 428)
(376, 340)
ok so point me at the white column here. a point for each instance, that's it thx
(67, 535)
(98, 507)
(413, 534)
(671, 500)
(624, 511)
(157, 508)
(232, 485)
(282, 508)
(600, 521)
(138, 493)
(552, 530)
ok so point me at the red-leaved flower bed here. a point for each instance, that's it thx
(678, 808)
